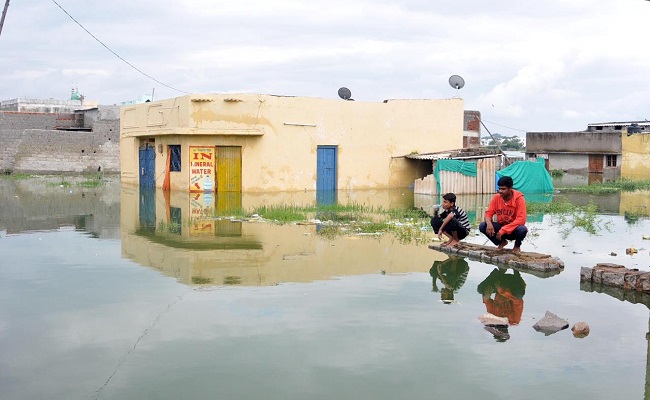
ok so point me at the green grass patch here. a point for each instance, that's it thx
(10, 175)
(283, 213)
(621, 185)
(567, 216)
(556, 173)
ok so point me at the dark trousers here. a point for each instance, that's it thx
(453, 225)
(517, 235)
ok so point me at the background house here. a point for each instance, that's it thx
(635, 152)
(258, 143)
(595, 150)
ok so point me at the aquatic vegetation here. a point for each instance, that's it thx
(569, 216)
(621, 185)
(199, 280)
(283, 213)
(556, 173)
(8, 174)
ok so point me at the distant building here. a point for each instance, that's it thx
(635, 153)
(145, 98)
(596, 150)
(50, 106)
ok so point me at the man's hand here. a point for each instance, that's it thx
(499, 235)
(489, 230)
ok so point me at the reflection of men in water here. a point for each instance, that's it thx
(508, 290)
(452, 273)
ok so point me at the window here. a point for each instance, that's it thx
(175, 150)
(611, 160)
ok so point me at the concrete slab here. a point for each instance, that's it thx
(523, 261)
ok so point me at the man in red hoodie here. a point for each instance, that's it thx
(509, 206)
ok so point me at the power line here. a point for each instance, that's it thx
(117, 55)
(503, 126)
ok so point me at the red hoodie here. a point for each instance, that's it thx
(510, 214)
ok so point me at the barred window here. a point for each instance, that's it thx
(611, 160)
(175, 150)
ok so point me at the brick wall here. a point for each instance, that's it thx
(29, 143)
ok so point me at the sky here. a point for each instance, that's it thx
(552, 65)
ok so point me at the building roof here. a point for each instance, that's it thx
(640, 123)
(459, 154)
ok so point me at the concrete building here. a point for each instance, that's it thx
(596, 150)
(636, 153)
(82, 141)
(264, 143)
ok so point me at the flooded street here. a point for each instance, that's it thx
(109, 293)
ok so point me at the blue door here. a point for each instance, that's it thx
(147, 166)
(326, 168)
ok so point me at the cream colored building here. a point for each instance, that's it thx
(636, 156)
(265, 143)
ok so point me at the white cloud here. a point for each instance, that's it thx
(551, 65)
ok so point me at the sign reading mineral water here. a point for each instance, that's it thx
(202, 221)
(202, 172)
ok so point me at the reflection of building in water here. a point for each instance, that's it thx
(42, 204)
(180, 236)
(634, 297)
(635, 204)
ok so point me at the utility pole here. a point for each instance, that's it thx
(4, 13)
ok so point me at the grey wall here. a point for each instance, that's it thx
(29, 143)
(574, 142)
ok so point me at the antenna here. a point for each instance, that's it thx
(345, 93)
(456, 81)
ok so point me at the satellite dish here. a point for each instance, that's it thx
(345, 93)
(456, 81)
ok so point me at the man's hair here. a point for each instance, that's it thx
(450, 197)
(505, 181)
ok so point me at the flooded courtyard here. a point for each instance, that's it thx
(113, 293)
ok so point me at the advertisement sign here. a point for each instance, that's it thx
(202, 168)
(202, 221)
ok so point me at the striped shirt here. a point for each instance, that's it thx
(460, 215)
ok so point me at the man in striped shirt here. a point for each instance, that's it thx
(452, 222)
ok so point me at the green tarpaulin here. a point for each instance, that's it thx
(464, 167)
(528, 177)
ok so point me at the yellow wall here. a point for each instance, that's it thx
(636, 156)
(279, 137)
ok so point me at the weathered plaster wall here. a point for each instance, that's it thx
(573, 142)
(636, 156)
(279, 137)
(30, 144)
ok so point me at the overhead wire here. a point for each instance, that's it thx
(115, 54)
(503, 126)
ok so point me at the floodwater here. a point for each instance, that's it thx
(109, 293)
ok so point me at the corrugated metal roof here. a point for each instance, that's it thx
(640, 123)
(461, 154)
